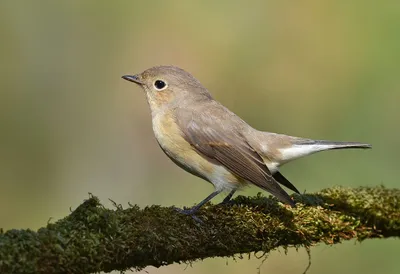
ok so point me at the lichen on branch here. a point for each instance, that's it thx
(93, 238)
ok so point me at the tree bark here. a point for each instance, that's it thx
(93, 238)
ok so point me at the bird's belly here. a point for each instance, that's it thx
(170, 138)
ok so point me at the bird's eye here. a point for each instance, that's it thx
(159, 84)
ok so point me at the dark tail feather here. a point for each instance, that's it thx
(285, 182)
(337, 145)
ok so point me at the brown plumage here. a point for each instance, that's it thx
(208, 140)
(207, 133)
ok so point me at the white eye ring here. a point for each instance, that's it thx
(160, 84)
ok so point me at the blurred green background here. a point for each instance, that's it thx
(70, 125)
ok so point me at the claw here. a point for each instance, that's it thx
(190, 212)
(228, 203)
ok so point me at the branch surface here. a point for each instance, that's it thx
(93, 238)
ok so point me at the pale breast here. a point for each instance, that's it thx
(170, 139)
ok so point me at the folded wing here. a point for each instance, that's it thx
(213, 139)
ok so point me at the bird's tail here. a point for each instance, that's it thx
(304, 147)
(327, 145)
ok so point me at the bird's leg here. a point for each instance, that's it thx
(194, 209)
(227, 199)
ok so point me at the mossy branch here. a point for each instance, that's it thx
(93, 238)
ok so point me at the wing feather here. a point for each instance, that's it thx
(226, 146)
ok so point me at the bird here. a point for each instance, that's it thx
(208, 140)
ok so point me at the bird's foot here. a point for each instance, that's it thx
(190, 212)
(227, 202)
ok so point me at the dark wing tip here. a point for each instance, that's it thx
(285, 182)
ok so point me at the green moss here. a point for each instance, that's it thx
(93, 238)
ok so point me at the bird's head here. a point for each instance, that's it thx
(168, 85)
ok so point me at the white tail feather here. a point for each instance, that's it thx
(300, 150)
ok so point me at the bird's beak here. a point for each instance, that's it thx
(133, 78)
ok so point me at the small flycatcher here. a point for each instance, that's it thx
(208, 140)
